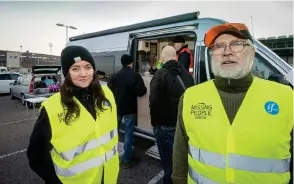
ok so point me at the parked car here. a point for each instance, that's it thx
(42, 82)
(5, 81)
(3, 69)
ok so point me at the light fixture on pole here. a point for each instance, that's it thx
(252, 26)
(66, 29)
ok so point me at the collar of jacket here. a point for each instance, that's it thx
(82, 94)
(126, 68)
(233, 85)
(185, 46)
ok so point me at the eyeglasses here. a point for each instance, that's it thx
(235, 47)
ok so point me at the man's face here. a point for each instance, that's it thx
(178, 46)
(230, 64)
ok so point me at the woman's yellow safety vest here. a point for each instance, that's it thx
(84, 148)
(253, 150)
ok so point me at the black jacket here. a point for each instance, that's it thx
(184, 58)
(39, 148)
(126, 86)
(165, 92)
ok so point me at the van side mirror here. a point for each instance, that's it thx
(279, 78)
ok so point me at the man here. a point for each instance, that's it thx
(126, 86)
(224, 137)
(156, 66)
(166, 88)
(185, 56)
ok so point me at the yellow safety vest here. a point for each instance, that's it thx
(82, 149)
(253, 150)
(159, 64)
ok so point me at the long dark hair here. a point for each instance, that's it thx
(71, 108)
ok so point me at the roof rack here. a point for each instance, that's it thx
(152, 23)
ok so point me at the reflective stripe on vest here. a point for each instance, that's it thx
(197, 178)
(240, 162)
(84, 166)
(92, 144)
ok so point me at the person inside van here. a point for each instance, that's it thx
(166, 87)
(156, 66)
(236, 128)
(184, 55)
(126, 86)
(75, 136)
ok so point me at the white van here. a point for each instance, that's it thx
(3, 69)
(108, 46)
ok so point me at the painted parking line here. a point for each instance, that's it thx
(157, 178)
(13, 153)
(11, 122)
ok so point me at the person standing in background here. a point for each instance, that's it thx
(126, 86)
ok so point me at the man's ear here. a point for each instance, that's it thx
(252, 52)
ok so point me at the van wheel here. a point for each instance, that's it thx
(23, 99)
(11, 96)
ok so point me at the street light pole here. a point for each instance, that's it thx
(21, 54)
(66, 33)
(66, 29)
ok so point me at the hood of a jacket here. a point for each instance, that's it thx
(173, 66)
(185, 46)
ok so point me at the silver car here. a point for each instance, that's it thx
(42, 82)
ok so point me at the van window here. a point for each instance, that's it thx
(14, 76)
(261, 67)
(5, 77)
(105, 64)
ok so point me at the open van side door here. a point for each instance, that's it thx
(144, 128)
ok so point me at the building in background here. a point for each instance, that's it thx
(23, 62)
(281, 45)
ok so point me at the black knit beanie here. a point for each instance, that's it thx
(73, 54)
(126, 59)
(179, 39)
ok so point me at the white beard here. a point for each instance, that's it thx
(236, 72)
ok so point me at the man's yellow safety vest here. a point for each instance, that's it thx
(83, 149)
(254, 149)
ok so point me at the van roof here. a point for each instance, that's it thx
(152, 23)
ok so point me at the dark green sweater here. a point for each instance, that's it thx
(232, 93)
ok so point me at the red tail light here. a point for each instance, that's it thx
(31, 88)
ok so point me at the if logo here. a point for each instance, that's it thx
(271, 108)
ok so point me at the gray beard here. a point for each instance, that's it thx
(237, 72)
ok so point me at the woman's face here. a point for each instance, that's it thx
(81, 74)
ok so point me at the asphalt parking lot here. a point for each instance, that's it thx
(16, 125)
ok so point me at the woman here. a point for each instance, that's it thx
(74, 140)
